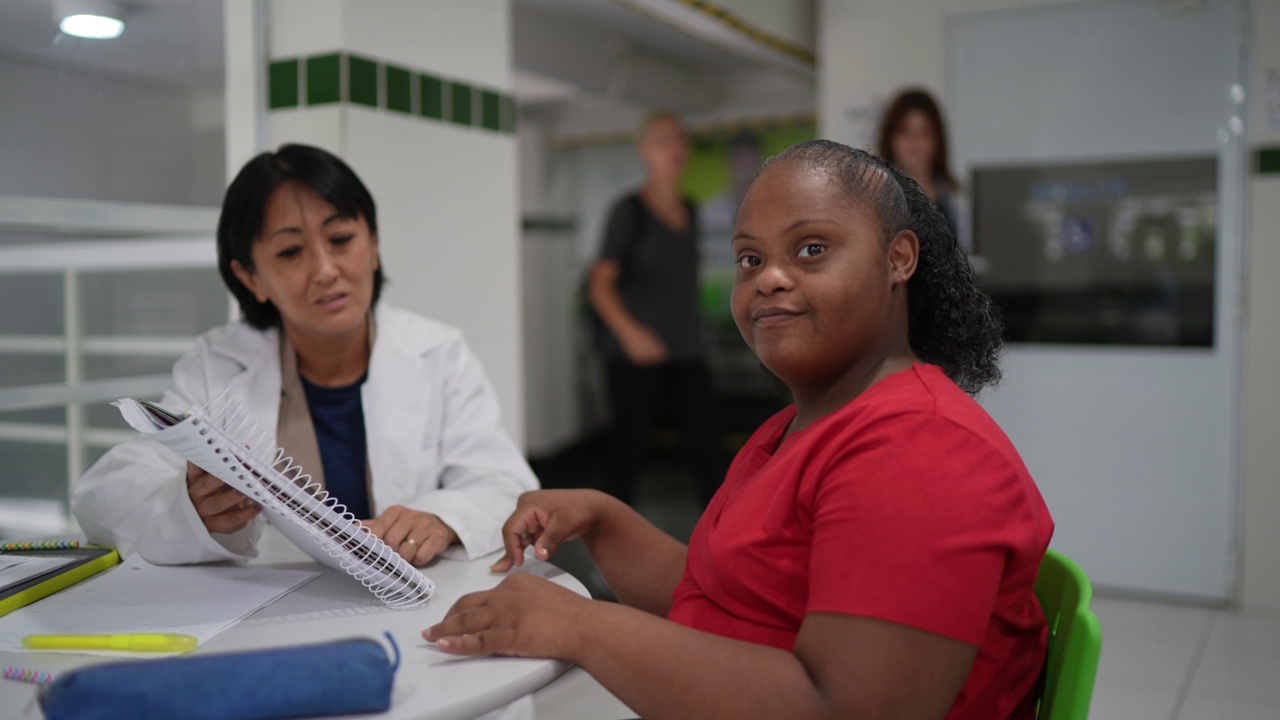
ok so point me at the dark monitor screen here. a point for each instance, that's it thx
(1113, 253)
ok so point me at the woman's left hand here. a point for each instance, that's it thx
(417, 536)
(525, 616)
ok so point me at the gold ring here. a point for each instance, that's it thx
(412, 542)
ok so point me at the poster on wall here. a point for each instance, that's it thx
(721, 166)
(1109, 253)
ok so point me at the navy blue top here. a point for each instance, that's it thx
(338, 417)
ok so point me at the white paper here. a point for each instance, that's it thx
(138, 597)
(15, 569)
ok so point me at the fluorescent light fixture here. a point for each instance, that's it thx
(96, 19)
(96, 27)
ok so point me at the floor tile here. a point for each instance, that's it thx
(1116, 698)
(1149, 641)
(1235, 633)
(1200, 707)
(1166, 622)
(1247, 672)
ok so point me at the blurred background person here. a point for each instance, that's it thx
(743, 159)
(913, 136)
(644, 288)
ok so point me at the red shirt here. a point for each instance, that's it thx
(908, 505)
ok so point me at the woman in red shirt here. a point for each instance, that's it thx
(874, 548)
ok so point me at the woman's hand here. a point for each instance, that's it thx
(524, 615)
(545, 519)
(221, 508)
(643, 346)
(417, 536)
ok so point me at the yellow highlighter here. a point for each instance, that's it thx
(132, 642)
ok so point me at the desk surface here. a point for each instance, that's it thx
(429, 683)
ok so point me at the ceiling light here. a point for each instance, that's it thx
(96, 19)
(92, 26)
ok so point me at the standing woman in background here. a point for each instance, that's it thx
(644, 288)
(913, 136)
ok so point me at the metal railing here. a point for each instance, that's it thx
(142, 238)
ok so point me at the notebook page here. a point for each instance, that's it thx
(15, 569)
(187, 442)
(219, 438)
(138, 597)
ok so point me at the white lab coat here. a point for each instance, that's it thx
(435, 443)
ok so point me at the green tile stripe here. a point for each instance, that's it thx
(362, 81)
(460, 103)
(399, 84)
(324, 79)
(430, 97)
(358, 80)
(1269, 161)
(282, 84)
(490, 110)
(508, 114)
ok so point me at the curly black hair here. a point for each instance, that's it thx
(951, 321)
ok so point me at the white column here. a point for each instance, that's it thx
(446, 190)
(1260, 500)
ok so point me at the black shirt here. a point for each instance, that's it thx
(658, 281)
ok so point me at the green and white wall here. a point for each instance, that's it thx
(416, 97)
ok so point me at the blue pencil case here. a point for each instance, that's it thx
(335, 678)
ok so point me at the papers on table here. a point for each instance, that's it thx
(15, 569)
(138, 597)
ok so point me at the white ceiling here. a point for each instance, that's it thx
(642, 32)
(569, 55)
(586, 67)
(168, 41)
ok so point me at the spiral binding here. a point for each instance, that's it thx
(284, 486)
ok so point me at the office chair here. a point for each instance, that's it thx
(1075, 640)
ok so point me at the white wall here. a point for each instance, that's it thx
(73, 133)
(447, 195)
(869, 48)
(1261, 488)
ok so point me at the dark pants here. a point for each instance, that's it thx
(642, 397)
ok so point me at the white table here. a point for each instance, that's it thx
(429, 684)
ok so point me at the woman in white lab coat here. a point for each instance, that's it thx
(388, 410)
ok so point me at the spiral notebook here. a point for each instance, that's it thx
(220, 438)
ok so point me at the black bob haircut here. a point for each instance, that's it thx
(951, 322)
(245, 205)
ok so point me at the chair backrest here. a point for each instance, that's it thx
(1075, 640)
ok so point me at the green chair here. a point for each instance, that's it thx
(1075, 640)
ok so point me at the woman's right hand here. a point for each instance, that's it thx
(546, 519)
(642, 346)
(221, 508)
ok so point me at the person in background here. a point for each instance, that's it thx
(913, 136)
(388, 411)
(644, 289)
(874, 549)
(742, 158)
